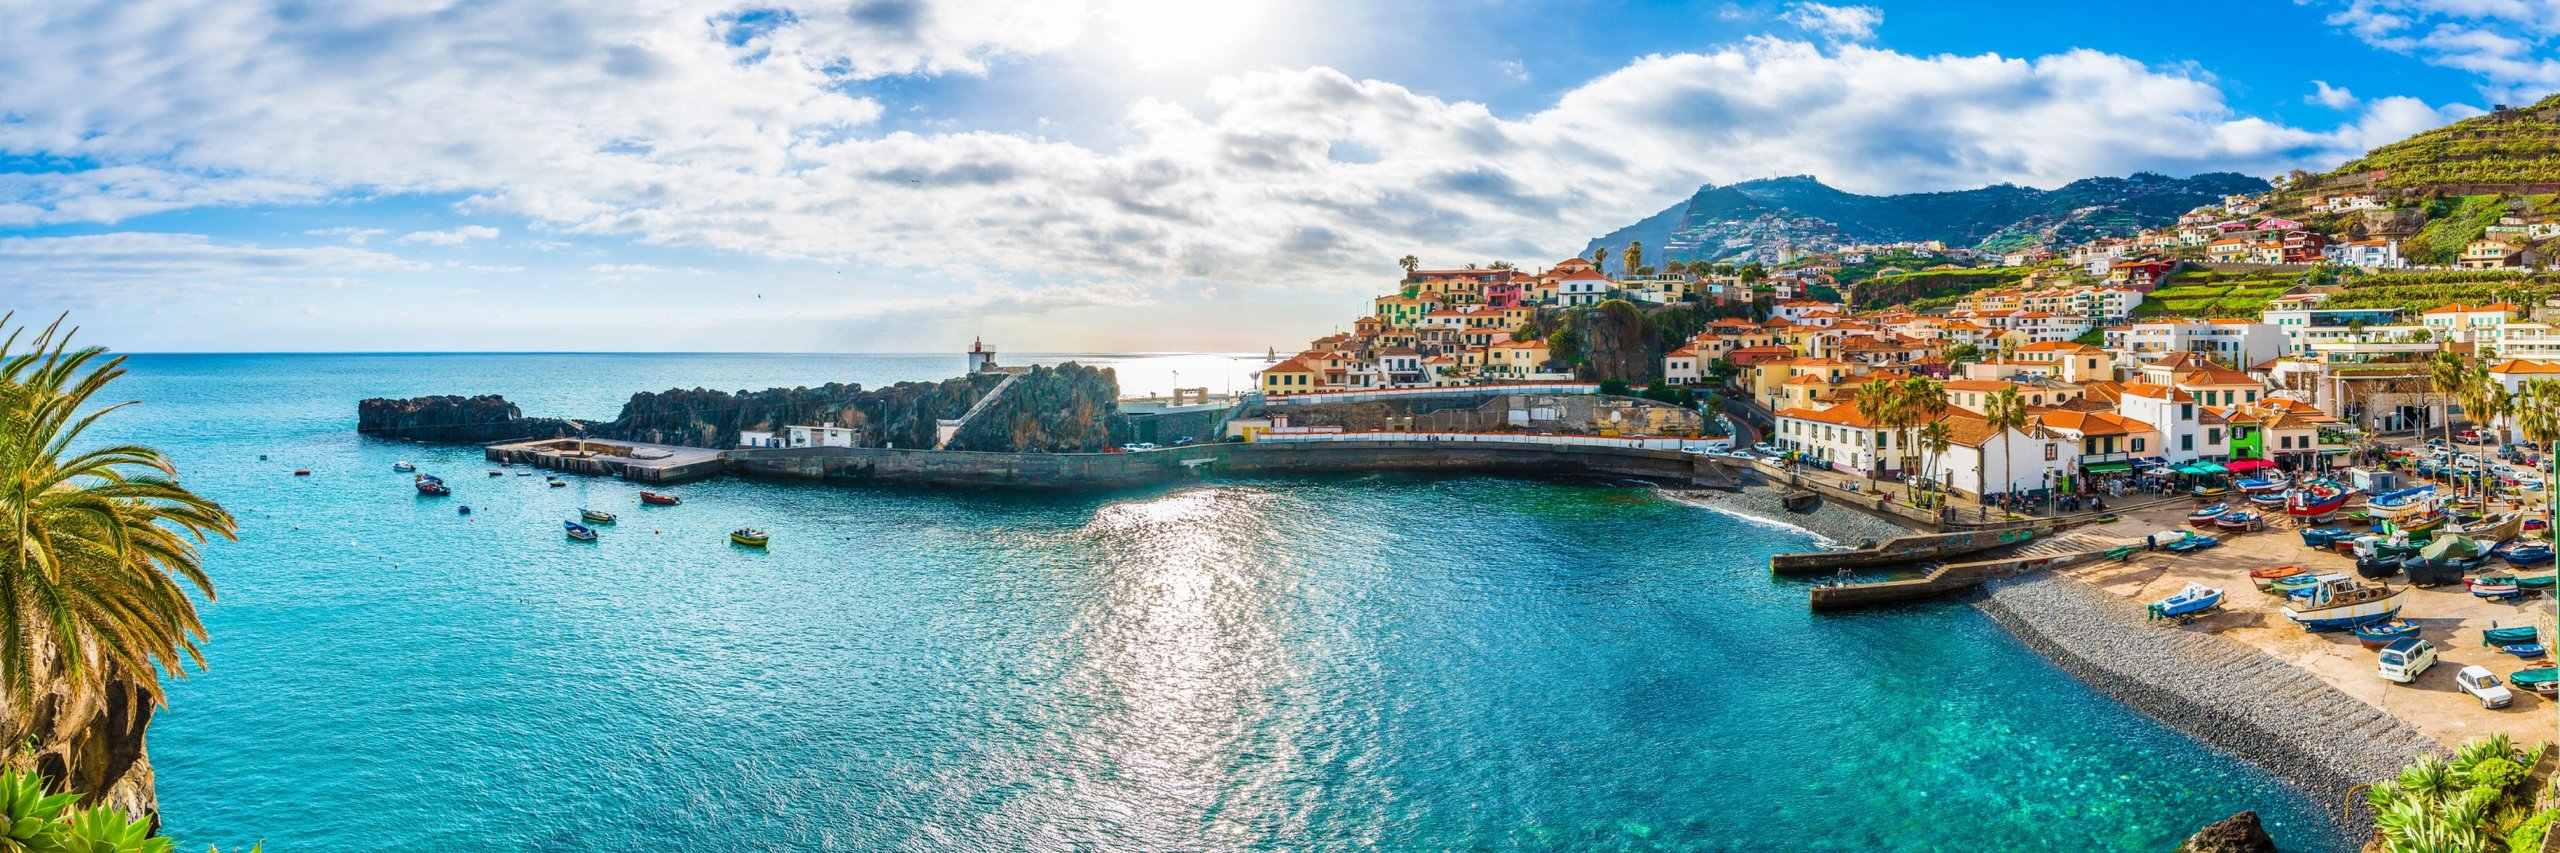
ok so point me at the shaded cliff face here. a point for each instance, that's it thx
(1068, 408)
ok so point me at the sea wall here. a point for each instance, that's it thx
(2225, 694)
(1065, 471)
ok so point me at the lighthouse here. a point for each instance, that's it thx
(981, 359)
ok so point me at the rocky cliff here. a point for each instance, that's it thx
(1068, 408)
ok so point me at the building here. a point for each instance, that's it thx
(2459, 322)
(1838, 437)
(1292, 376)
(2232, 342)
(2485, 254)
(1980, 460)
(2374, 254)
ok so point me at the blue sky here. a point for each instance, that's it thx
(901, 175)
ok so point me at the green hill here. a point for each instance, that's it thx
(2514, 150)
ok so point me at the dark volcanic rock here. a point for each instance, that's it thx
(481, 419)
(1069, 409)
(2238, 833)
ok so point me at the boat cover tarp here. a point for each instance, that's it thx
(2451, 548)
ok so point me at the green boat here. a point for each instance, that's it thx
(2510, 636)
(2535, 582)
(2541, 679)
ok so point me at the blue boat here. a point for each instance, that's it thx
(2193, 542)
(2195, 598)
(2524, 650)
(2527, 555)
(2379, 634)
(578, 531)
(2323, 537)
(2345, 603)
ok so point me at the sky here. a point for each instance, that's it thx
(1069, 175)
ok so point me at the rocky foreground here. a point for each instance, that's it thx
(1068, 408)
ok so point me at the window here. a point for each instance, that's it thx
(2186, 411)
(2137, 445)
(2186, 442)
(2213, 436)
(2049, 450)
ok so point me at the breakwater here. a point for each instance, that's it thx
(1075, 471)
(2227, 695)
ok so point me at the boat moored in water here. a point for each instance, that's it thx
(596, 515)
(749, 537)
(659, 499)
(404, 466)
(578, 531)
(430, 486)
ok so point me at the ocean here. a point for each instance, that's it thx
(1377, 662)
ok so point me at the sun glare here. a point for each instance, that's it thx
(1171, 33)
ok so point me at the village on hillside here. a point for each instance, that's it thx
(1995, 375)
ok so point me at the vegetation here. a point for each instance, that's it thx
(2502, 148)
(2004, 410)
(2452, 223)
(95, 591)
(1929, 289)
(37, 822)
(2471, 804)
(2419, 290)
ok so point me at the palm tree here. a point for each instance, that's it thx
(1634, 255)
(1409, 263)
(2447, 375)
(1879, 403)
(2537, 415)
(94, 601)
(1936, 438)
(1599, 255)
(1923, 401)
(2484, 400)
(2005, 411)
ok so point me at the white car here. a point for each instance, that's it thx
(1765, 449)
(2483, 685)
(2406, 659)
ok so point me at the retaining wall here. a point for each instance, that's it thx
(1071, 471)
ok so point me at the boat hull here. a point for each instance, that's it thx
(2349, 616)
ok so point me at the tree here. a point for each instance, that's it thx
(101, 546)
(2537, 415)
(2005, 411)
(1409, 263)
(2447, 375)
(1961, 352)
(1879, 403)
(1923, 401)
(1634, 255)
(1599, 255)
(1936, 438)
(2484, 400)
(2356, 329)
(1499, 265)
(1613, 387)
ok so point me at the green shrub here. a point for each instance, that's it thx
(36, 822)
(2528, 835)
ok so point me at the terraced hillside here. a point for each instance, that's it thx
(2516, 150)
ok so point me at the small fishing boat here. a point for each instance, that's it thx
(2195, 598)
(2255, 485)
(2191, 543)
(2445, 560)
(404, 465)
(2323, 537)
(2526, 555)
(430, 486)
(497, 473)
(2525, 650)
(2316, 502)
(2241, 519)
(2209, 491)
(2344, 603)
(578, 531)
(2204, 517)
(2541, 679)
(557, 483)
(749, 537)
(2496, 636)
(2534, 582)
(2495, 528)
(596, 515)
(2108, 518)
(2536, 525)
(2299, 585)
(2379, 634)
(2270, 500)
(659, 499)
(2485, 589)
(2426, 522)
(464, 509)
(302, 472)
(2377, 568)
(2273, 572)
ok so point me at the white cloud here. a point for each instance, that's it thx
(2504, 42)
(1516, 70)
(120, 266)
(2333, 97)
(352, 234)
(450, 237)
(1837, 23)
(625, 120)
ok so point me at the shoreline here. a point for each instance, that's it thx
(2224, 695)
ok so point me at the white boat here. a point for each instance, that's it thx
(2195, 598)
(2343, 602)
(404, 465)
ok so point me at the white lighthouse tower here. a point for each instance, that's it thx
(982, 359)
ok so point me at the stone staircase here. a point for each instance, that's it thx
(944, 430)
(2078, 541)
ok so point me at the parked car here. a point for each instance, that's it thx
(2483, 685)
(1765, 449)
(2406, 659)
(2470, 436)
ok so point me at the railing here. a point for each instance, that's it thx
(1636, 442)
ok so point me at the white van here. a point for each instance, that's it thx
(2406, 659)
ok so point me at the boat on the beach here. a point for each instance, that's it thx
(2107, 518)
(2493, 588)
(2195, 598)
(2495, 528)
(2316, 502)
(578, 531)
(2526, 555)
(2496, 636)
(2379, 634)
(2241, 519)
(2204, 517)
(2419, 525)
(2323, 537)
(2298, 585)
(2270, 500)
(596, 515)
(2273, 572)
(749, 537)
(659, 499)
(404, 466)
(2445, 559)
(2191, 543)
(2534, 582)
(2544, 680)
(2525, 650)
(430, 486)
(2344, 603)
(2209, 491)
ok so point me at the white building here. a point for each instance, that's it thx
(1981, 461)
(2236, 342)
(2187, 431)
(822, 435)
(2368, 254)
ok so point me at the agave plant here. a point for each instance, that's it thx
(40, 823)
(2428, 779)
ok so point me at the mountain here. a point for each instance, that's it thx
(1755, 219)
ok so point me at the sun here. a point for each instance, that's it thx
(1160, 34)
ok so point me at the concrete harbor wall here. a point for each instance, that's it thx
(1943, 580)
(1070, 471)
(1907, 549)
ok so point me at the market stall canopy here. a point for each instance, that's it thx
(2249, 464)
(2108, 467)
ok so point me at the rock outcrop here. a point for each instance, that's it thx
(1070, 408)
(2238, 833)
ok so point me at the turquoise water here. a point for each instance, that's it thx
(1354, 663)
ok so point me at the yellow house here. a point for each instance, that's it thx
(1401, 311)
(1293, 376)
